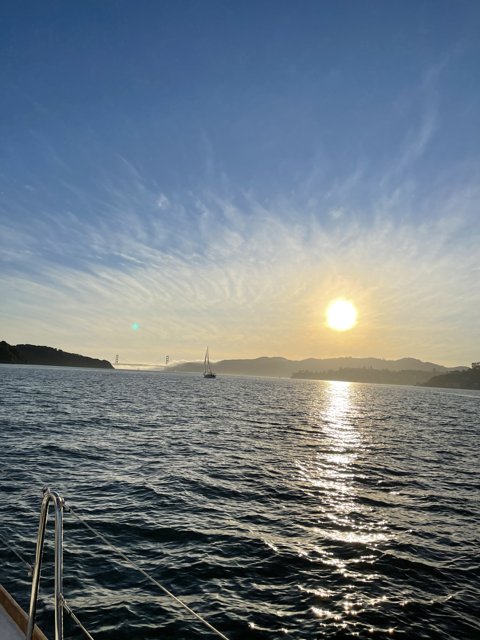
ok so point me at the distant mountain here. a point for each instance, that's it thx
(284, 368)
(274, 367)
(32, 354)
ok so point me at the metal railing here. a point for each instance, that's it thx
(59, 602)
(59, 504)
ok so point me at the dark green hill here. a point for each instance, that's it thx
(469, 379)
(9, 354)
(33, 354)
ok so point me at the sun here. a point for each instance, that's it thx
(341, 315)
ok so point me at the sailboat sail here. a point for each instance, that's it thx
(207, 368)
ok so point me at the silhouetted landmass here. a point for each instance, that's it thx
(9, 354)
(273, 367)
(469, 379)
(382, 376)
(284, 368)
(32, 354)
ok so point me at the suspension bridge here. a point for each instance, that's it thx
(141, 364)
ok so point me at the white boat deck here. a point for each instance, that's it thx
(13, 620)
(8, 628)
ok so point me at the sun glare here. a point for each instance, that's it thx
(341, 315)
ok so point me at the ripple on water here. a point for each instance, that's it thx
(275, 508)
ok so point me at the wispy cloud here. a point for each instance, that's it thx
(207, 269)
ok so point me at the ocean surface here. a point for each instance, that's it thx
(274, 508)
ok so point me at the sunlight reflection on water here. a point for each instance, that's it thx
(343, 441)
(338, 440)
(343, 523)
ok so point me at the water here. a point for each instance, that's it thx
(274, 508)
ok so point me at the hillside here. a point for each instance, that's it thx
(33, 354)
(469, 379)
(284, 368)
(9, 354)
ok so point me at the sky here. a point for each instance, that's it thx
(181, 174)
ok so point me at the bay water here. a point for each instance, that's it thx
(274, 508)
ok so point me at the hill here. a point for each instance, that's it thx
(469, 379)
(9, 354)
(284, 368)
(33, 354)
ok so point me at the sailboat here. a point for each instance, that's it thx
(207, 368)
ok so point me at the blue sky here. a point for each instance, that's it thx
(219, 171)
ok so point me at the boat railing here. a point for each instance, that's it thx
(60, 604)
(49, 497)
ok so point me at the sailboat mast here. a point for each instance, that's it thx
(207, 369)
